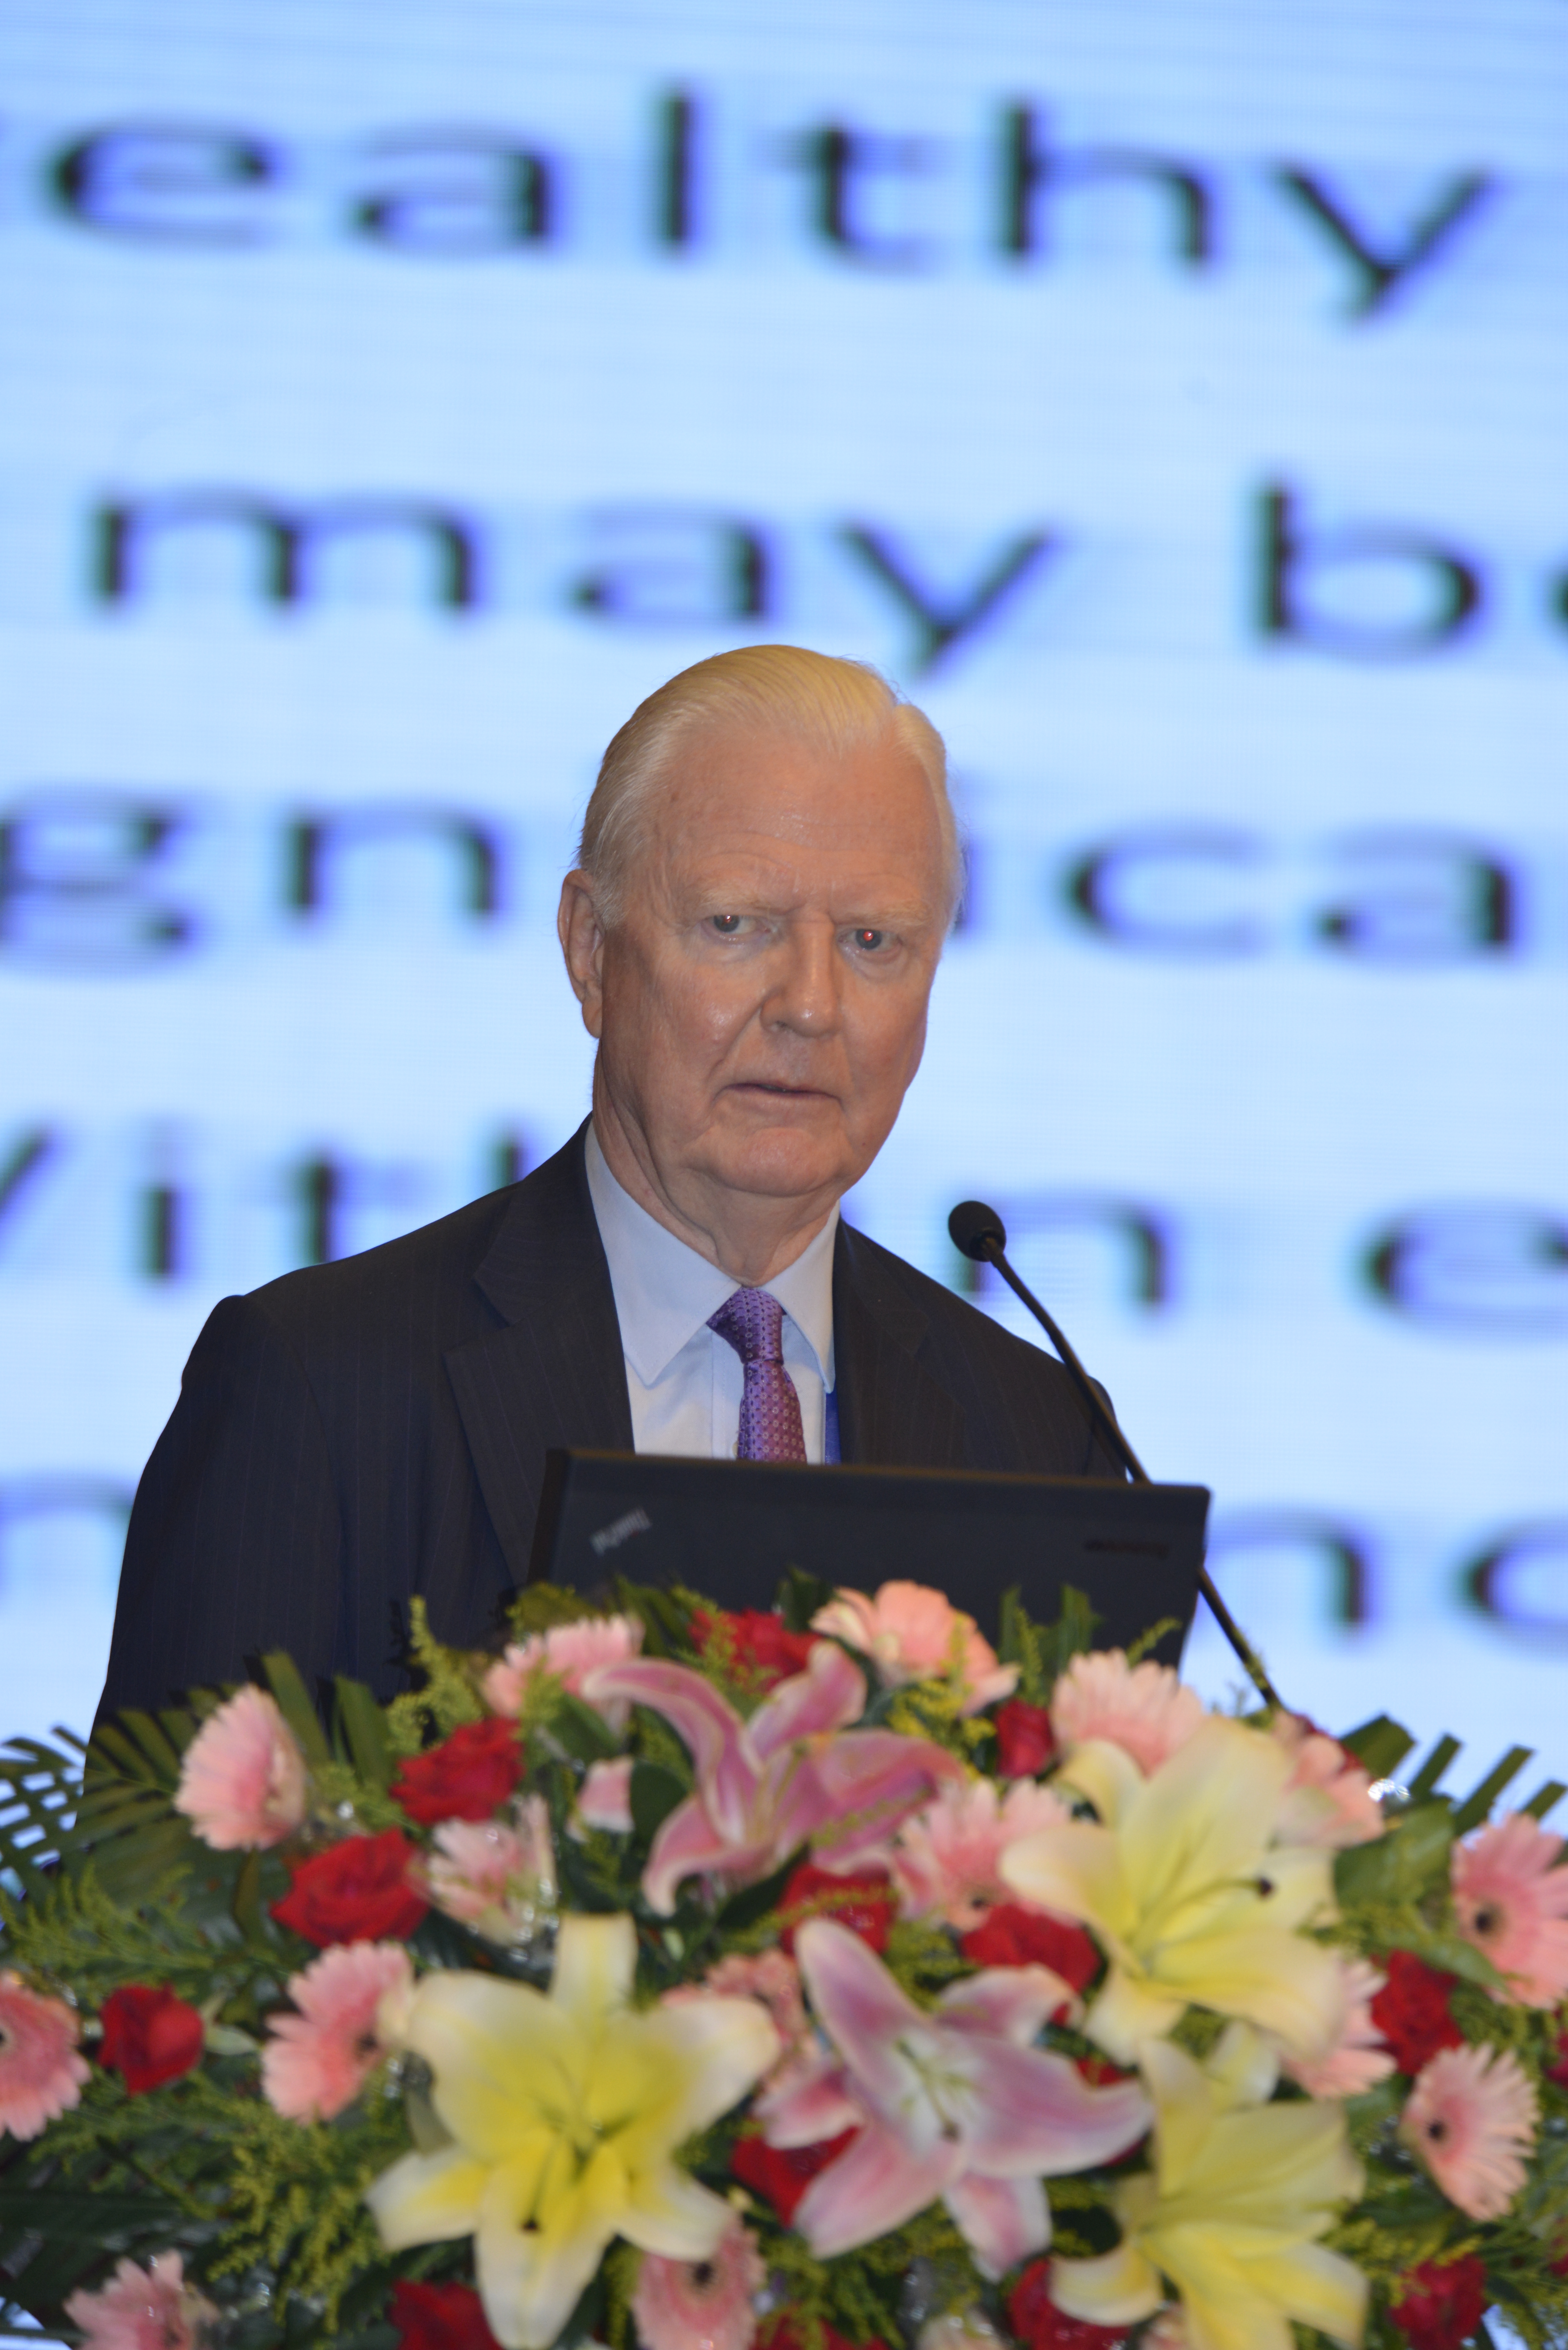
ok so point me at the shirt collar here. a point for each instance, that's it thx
(665, 1291)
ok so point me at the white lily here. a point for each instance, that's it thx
(1240, 2193)
(1192, 1901)
(564, 2114)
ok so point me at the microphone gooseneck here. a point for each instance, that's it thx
(978, 1231)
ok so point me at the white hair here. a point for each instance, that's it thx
(834, 706)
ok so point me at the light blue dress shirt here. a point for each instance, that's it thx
(684, 1380)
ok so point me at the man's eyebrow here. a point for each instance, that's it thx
(872, 914)
(914, 912)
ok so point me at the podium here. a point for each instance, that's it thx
(733, 1529)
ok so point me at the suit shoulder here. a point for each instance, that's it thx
(434, 1256)
(952, 1322)
(425, 1281)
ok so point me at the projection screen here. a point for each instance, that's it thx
(1169, 400)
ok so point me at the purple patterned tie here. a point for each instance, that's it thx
(753, 1322)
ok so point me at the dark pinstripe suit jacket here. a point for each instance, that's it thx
(363, 1430)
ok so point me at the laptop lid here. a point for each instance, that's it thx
(732, 1530)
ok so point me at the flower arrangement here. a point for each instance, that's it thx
(807, 1979)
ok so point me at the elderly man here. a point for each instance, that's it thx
(767, 870)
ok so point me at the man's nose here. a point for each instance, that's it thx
(806, 992)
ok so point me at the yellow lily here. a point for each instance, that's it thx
(1185, 1892)
(1230, 2214)
(564, 2114)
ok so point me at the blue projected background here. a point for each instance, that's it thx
(1169, 398)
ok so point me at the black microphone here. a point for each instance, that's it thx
(978, 1231)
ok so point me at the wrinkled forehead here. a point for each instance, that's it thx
(773, 793)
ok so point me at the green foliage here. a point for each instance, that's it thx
(297, 1707)
(935, 1709)
(1398, 1867)
(923, 1958)
(657, 1744)
(665, 1617)
(363, 1730)
(655, 1792)
(1147, 1642)
(447, 1697)
(74, 1934)
(585, 1734)
(540, 1606)
(1044, 1651)
(358, 1803)
(801, 1597)
(40, 1789)
(1429, 1778)
(1379, 1745)
(122, 1818)
(622, 2262)
(1478, 1803)
(296, 2195)
(859, 2294)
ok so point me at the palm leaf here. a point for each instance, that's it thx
(40, 1789)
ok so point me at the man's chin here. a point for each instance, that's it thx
(783, 1163)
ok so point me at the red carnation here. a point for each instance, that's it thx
(439, 2317)
(864, 1900)
(1412, 2012)
(1011, 1936)
(1041, 2325)
(783, 2173)
(760, 1642)
(149, 2035)
(1024, 1739)
(467, 1777)
(358, 1891)
(1439, 2306)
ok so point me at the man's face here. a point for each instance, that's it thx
(760, 1007)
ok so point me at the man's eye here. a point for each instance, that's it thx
(869, 941)
(727, 925)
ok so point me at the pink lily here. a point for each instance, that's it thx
(792, 1775)
(956, 2102)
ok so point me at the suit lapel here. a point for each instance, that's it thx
(555, 1374)
(891, 1413)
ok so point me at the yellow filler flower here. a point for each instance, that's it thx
(1231, 2215)
(1191, 1901)
(564, 2114)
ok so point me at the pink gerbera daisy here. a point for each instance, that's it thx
(912, 1633)
(142, 2309)
(317, 2061)
(1143, 1709)
(1472, 2119)
(570, 1651)
(497, 1878)
(41, 2074)
(680, 2305)
(946, 1859)
(1510, 1900)
(1359, 2057)
(243, 1782)
(773, 1979)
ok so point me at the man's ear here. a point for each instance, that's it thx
(582, 938)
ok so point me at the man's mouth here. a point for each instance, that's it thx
(778, 1088)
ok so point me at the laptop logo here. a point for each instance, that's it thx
(610, 1537)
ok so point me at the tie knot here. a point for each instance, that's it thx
(753, 1322)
